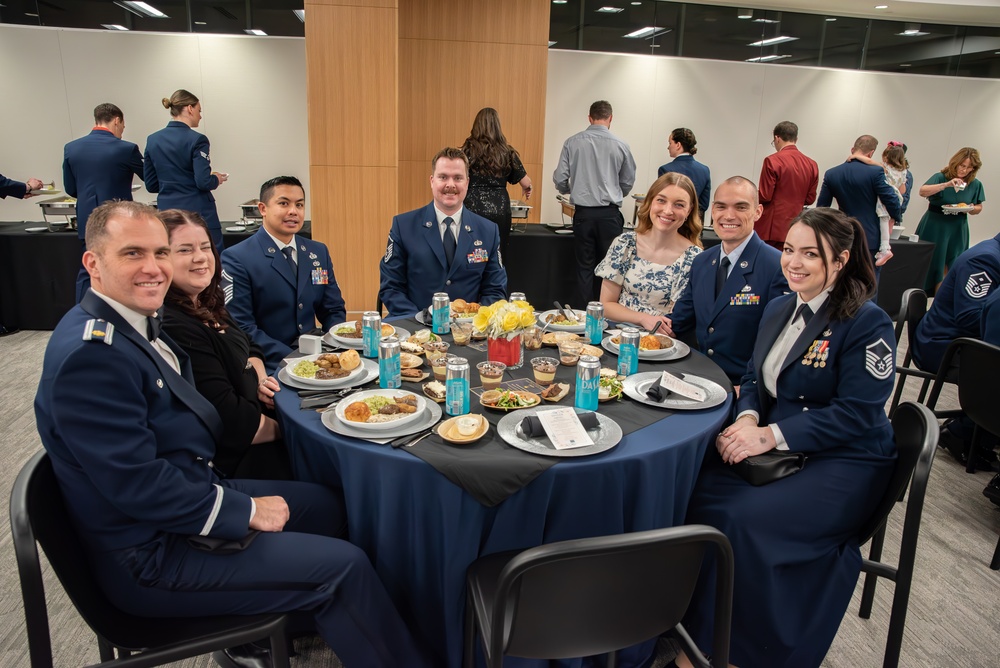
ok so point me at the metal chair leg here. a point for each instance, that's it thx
(995, 564)
(871, 580)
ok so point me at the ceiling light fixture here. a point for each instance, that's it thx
(559, 2)
(301, 13)
(636, 4)
(767, 59)
(610, 10)
(744, 13)
(31, 14)
(830, 19)
(256, 32)
(647, 32)
(912, 30)
(141, 9)
(201, 23)
(881, 6)
(780, 39)
(765, 21)
(114, 26)
(905, 65)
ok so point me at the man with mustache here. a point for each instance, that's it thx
(442, 247)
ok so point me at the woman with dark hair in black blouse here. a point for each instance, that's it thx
(228, 367)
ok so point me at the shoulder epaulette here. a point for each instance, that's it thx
(98, 330)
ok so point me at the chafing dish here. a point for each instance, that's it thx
(519, 209)
(60, 206)
(250, 210)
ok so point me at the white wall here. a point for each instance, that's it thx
(253, 93)
(733, 107)
(252, 89)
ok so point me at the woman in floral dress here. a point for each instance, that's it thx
(646, 270)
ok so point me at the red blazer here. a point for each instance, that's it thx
(788, 183)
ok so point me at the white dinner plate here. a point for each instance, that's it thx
(43, 191)
(576, 329)
(378, 427)
(344, 342)
(369, 373)
(323, 383)
(36, 230)
(678, 351)
(430, 415)
(425, 320)
(563, 231)
(236, 228)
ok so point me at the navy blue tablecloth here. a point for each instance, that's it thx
(421, 531)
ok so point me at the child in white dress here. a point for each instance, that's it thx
(895, 165)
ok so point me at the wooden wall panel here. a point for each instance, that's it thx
(356, 242)
(480, 21)
(351, 81)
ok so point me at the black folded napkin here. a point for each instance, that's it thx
(657, 392)
(532, 426)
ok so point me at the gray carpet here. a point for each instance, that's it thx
(953, 610)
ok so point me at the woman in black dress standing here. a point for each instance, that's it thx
(493, 163)
(228, 367)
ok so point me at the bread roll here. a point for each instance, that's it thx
(350, 360)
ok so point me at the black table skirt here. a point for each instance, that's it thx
(541, 264)
(907, 269)
(38, 273)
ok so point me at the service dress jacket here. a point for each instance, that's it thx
(12, 188)
(177, 165)
(788, 181)
(958, 303)
(726, 326)
(273, 305)
(130, 438)
(856, 186)
(98, 168)
(414, 266)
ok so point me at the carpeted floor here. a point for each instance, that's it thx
(954, 605)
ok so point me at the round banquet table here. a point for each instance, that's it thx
(422, 531)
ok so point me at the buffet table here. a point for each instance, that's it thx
(38, 273)
(907, 269)
(421, 530)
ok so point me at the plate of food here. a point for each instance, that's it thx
(327, 369)
(610, 385)
(555, 392)
(409, 361)
(463, 429)
(553, 338)
(411, 347)
(46, 191)
(425, 420)
(463, 311)
(961, 207)
(509, 400)
(591, 350)
(379, 410)
(557, 322)
(658, 347)
(349, 333)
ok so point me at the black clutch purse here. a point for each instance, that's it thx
(770, 466)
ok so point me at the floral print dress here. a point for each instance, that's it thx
(647, 287)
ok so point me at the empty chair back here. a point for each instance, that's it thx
(978, 370)
(911, 311)
(596, 595)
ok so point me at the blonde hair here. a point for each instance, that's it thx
(180, 99)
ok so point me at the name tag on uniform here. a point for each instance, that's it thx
(320, 277)
(479, 255)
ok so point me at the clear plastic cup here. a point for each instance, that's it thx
(491, 374)
(569, 352)
(545, 370)
(461, 332)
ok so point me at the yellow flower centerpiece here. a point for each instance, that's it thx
(503, 322)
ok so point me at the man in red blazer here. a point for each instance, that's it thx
(788, 183)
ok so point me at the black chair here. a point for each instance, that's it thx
(911, 312)
(916, 430)
(595, 595)
(38, 513)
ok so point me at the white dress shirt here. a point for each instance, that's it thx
(281, 246)
(138, 321)
(457, 217)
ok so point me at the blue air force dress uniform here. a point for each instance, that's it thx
(178, 167)
(415, 265)
(12, 188)
(726, 324)
(274, 303)
(131, 442)
(795, 540)
(98, 168)
(958, 303)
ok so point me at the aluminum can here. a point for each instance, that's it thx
(628, 351)
(588, 382)
(389, 373)
(441, 313)
(518, 297)
(595, 322)
(371, 332)
(456, 386)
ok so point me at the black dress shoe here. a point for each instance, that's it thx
(986, 460)
(992, 491)
(243, 656)
(4, 331)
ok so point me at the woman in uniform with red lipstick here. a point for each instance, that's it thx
(817, 384)
(228, 367)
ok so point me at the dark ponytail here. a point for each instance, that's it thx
(856, 283)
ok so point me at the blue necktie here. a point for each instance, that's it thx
(287, 252)
(449, 241)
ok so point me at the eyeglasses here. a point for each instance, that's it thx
(772, 144)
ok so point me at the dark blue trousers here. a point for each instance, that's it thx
(301, 568)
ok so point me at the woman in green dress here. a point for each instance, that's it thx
(956, 184)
